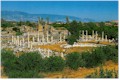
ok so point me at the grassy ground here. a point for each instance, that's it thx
(81, 72)
(68, 73)
(56, 47)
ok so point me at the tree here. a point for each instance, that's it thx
(74, 60)
(54, 63)
(67, 20)
(74, 30)
(27, 65)
(31, 61)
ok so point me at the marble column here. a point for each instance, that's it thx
(47, 37)
(109, 40)
(38, 39)
(93, 34)
(33, 39)
(86, 35)
(12, 39)
(43, 39)
(51, 38)
(105, 37)
(60, 37)
(83, 35)
(31, 45)
(28, 41)
(62, 54)
(64, 37)
(23, 41)
(96, 36)
(20, 43)
(102, 36)
(113, 39)
(17, 40)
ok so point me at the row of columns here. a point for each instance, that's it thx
(94, 36)
(19, 42)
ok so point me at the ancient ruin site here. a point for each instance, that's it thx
(57, 46)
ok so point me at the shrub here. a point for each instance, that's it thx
(24, 74)
(7, 55)
(74, 60)
(111, 53)
(8, 60)
(95, 58)
(31, 61)
(88, 59)
(54, 63)
(27, 65)
(101, 73)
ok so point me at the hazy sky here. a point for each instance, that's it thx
(98, 10)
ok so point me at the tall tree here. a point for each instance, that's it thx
(67, 20)
(74, 30)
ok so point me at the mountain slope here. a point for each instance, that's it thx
(17, 16)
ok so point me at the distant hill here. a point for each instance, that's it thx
(17, 16)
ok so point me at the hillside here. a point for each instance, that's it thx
(17, 16)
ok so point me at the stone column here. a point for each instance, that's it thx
(28, 41)
(105, 37)
(64, 37)
(62, 54)
(113, 39)
(93, 34)
(43, 39)
(60, 37)
(23, 41)
(83, 35)
(33, 39)
(31, 45)
(17, 40)
(20, 43)
(96, 36)
(86, 35)
(109, 40)
(102, 36)
(38, 37)
(51, 38)
(47, 37)
(12, 39)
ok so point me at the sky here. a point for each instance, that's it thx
(97, 10)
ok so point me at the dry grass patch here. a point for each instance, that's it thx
(81, 72)
(56, 47)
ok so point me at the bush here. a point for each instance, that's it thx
(95, 58)
(8, 60)
(101, 73)
(27, 65)
(18, 33)
(111, 53)
(6, 55)
(31, 61)
(24, 74)
(74, 61)
(54, 63)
